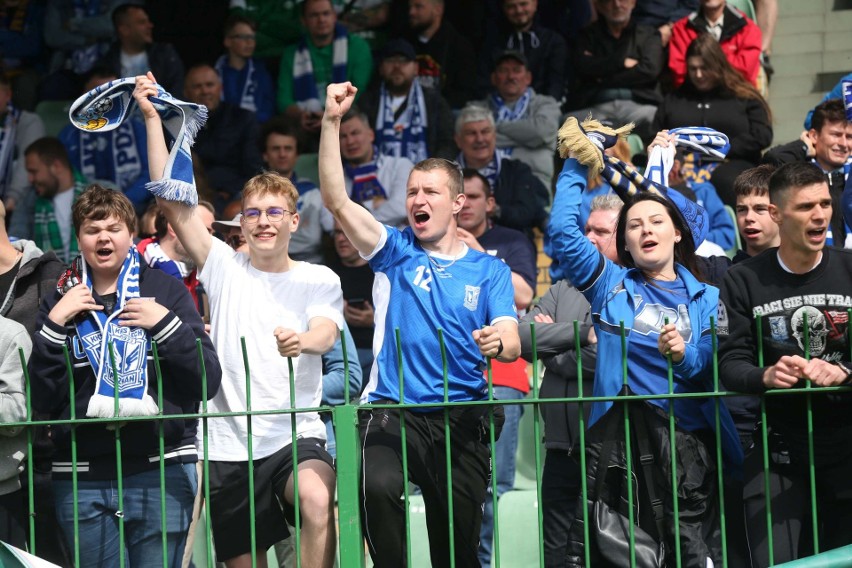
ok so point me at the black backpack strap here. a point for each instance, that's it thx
(647, 459)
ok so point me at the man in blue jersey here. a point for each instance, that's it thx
(426, 280)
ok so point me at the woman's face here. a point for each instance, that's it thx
(650, 237)
(701, 78)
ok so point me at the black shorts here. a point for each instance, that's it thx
(229, 498)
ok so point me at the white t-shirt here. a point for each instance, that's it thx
(245, 302)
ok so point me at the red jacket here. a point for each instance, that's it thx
(741, 41)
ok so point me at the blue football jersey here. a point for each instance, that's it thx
(419, 295)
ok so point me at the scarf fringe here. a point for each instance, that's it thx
(194, 124)
(174, 190)
(101, 406)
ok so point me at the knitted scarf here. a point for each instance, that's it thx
(365, 180)
(304, 83)
(105, 107)
(403, 135)
(246, 76)
(696, 138)
(7, 147)
(505, 114)
(46, 233)
(130, 345)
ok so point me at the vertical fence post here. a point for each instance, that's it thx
(720, 474)
(30, 461)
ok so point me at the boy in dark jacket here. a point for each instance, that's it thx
(108, 309)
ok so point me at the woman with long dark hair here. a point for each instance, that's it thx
(655, 296)
(717, 96)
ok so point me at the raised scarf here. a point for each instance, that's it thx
(130, 345)
(696, 138)
(249, 82)
(404, 135)
(7, 147)
(304, 83)
(107, 106)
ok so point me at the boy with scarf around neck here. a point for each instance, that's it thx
(109, 295)
(245, 81)
(289, 312)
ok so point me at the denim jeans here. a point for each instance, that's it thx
(503, 467)
(98, 517)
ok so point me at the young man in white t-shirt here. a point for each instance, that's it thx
(283, 309)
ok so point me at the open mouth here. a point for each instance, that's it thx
(103, 253)
(816, 234)
(751, 233)
(264, 236)
(421, 217)
(648, 246)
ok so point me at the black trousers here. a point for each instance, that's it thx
(560, 491)
(789, 491)
(382, 507)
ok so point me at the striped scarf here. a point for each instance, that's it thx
(112, 155)
(403, 136)
(130, 347)
(505, 114)
(7, 147)
(696, 138)
(305, 90)
(491, 170)
(249, 82)
(365, 181)
(46, 233)
(107, 106)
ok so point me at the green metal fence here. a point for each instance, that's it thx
(350, 539)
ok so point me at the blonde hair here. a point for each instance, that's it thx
(271, 183)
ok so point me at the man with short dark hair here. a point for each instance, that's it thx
(797, 297)
(411, 120)
(545, 49)
(135, 52)
(50, 175)
(827, 145)
(446, 58)
(754, 223)
(526, 121)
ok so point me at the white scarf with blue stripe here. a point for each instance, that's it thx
(405, 135)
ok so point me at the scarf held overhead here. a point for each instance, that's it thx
(108, 105)
(121, 371)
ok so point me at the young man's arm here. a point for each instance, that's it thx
(188, 226)
(358, 224)
(319, 339)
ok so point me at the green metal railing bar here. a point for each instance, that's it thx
(810, 426)
(161, 425)
(250, 440)
(297, 542)
(119, 475)
(495, 550)
(582, 429)
(717, 422)
(673, 450)
(31, 494)
(538, 466)
(448, 454)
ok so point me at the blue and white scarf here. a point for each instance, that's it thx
(491, 170)
(365, 181)
(696, 138)
(130, 348)
(84, 58)
(112, 156)
(7, 147)
(105, 107)
(249, 82)
(304, 83)
(403, 136)
(505, 114)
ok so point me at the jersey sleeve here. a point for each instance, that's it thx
(501, 296)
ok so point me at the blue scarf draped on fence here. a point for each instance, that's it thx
(365, 180)
(405, 135)
(304, 82)
(105, 107)
(130, 345)
(7, 147)
(249, 86)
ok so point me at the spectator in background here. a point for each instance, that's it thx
(56, 189)
(754, 223)
(827, 145)
(13, 439)
(356, 279)
(326, 53)
(118, 158)
(280, 153)
(135, 52)
(510, 380)
(245, 81)
(411, 121)
(617, 65)
(544, 49)
(662, 14)
(18, 129)
(375, 181)
(367, 19)
(446, 58)
(278, 24)
(716, 96)
(526, 121)
(520, 197)
(836, 92)
(227, 145)
(22, 49)
(79, 33)
(739, 38)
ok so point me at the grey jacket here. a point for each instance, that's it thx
(555, 347)
(13, 406)
(36, 279)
